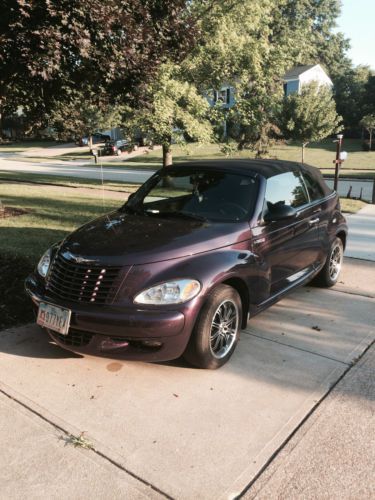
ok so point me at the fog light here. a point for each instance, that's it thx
(151, 343)
(111, 345)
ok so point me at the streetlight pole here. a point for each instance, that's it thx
(338, 160)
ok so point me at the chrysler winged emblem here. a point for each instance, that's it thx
(77, 259)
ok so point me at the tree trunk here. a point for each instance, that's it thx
(1, 122)
(167, 155)
(370, 139)
(303, 151)
(90, 142)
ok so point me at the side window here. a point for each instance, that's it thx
(313, 187)
(286, 189)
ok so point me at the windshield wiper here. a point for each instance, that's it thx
(182, 215)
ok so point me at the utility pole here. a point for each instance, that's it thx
(338, 160)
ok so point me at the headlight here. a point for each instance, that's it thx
(171, 292)
(44, 263)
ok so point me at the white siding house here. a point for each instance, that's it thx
(298, 76)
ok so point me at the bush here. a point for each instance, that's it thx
(15, 306)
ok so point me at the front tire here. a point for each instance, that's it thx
(217, 330)
(330, 273)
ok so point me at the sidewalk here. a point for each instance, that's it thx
(333, 454)
(361, 242)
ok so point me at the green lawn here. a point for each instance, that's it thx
(17, 147)
(321, 155)
(350, 206)
(75, 182)
(53, 213)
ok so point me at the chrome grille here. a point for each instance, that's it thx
(89, 283)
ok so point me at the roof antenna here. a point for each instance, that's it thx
(102, 179)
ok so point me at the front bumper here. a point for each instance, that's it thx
(121, 333)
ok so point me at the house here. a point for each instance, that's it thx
(295, 78)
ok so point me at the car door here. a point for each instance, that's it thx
(286, 249)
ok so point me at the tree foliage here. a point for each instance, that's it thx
(353, 97)
(50, 47)
(175, 111)
(309, 116)
(251, 44)
(83, 118)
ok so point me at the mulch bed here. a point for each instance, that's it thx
(12, 212)
(15, 306)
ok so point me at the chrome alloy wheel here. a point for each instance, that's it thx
(335, 262)
(224, 328)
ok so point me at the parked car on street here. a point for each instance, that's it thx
(116, 148)
(97, 138)
(198, 250)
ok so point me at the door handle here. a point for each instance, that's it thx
(314, 221)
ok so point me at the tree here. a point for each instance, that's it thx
(176, 111)
(309, 116)
(350, 93)
(50, 47)
(369, 97)
(250, 45)
(368, 122)
(80, 119)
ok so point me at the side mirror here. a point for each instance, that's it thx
(279, 212)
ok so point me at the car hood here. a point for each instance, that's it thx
(120, 238)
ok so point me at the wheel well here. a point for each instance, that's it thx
(342, 236)
(243, 292)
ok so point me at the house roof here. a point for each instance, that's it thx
(295, 72)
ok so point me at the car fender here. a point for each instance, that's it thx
(209, 268)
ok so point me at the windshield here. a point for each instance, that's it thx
(197, 194)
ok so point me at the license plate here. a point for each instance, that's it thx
(54, 317)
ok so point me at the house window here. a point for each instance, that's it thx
(222, 96)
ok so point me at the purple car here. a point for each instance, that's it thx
(192, 255)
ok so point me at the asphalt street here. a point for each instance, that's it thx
(75, 169)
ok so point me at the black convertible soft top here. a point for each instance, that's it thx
(265, 168)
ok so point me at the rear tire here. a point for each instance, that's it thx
(330, 273)
(217, 329)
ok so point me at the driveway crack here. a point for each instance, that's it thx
(93, 450)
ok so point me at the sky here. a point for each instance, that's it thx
(357, 21)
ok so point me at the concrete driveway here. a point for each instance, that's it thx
(167, 430)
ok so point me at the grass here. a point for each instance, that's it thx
(53, 213)
(351, 206)
(321, 155)
(359, 163)
(78, 441)
(74, 182)
(17, 147)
